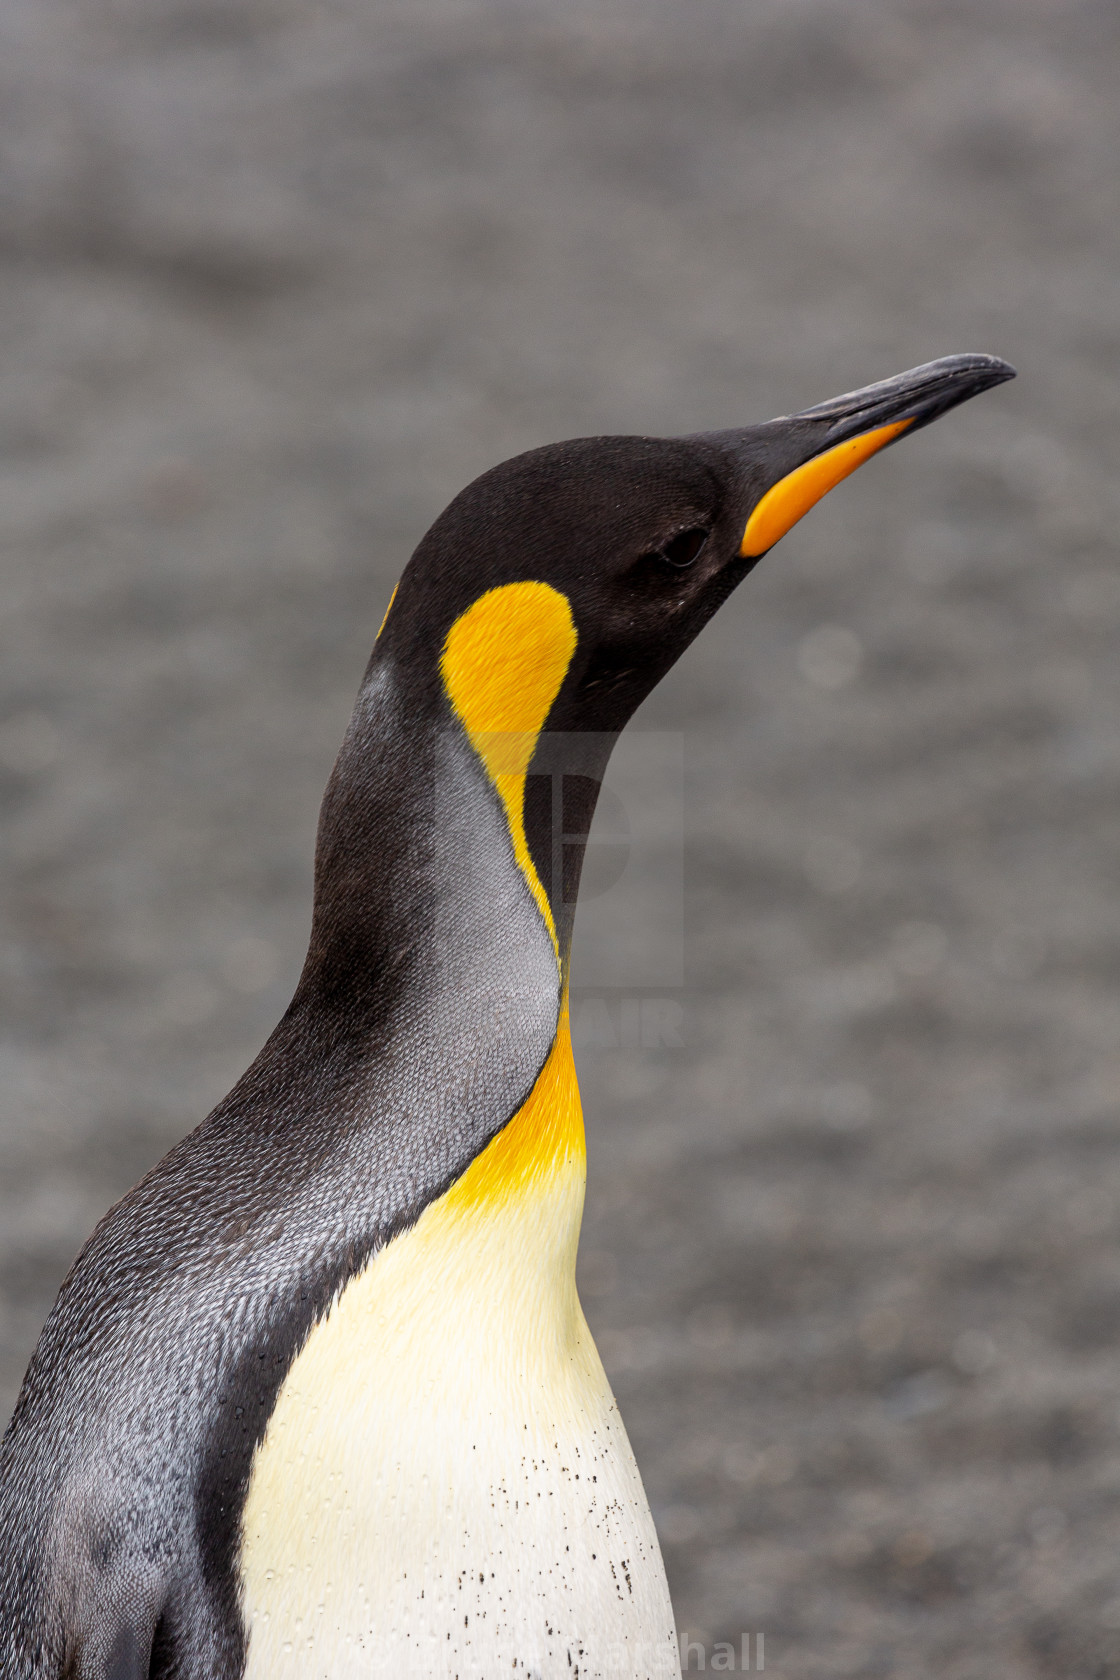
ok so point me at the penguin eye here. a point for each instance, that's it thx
(682, 550)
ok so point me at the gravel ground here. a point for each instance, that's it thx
(278, 278)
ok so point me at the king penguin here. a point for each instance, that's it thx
(317, 1400)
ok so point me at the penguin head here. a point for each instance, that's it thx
(557, 589)
(632, 543)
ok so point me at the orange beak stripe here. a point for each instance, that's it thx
(785, 502)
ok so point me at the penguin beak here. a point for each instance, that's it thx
(832, 439)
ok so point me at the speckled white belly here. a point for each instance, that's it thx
(446, 1489)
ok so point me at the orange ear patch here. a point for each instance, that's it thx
(503, 664)
(785, 502)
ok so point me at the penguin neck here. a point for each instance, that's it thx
(430, 951)
(429, 947)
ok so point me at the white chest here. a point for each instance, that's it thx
(446, 1489)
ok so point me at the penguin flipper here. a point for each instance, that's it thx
(129, 1657)
(118, 1647)
(115, 1632)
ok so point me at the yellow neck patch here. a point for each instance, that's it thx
(502, 666)
(388, 610)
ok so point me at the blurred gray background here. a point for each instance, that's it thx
(278, 278)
